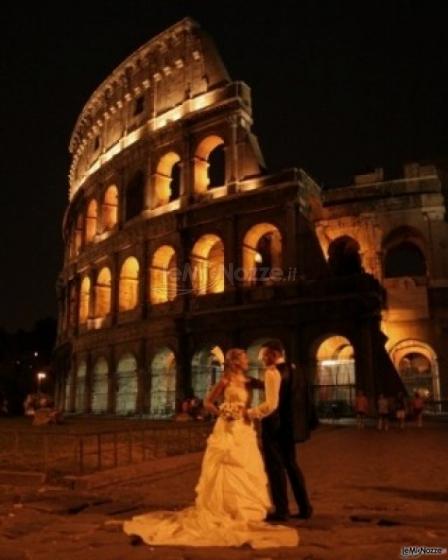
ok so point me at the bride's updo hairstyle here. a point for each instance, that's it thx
(232, 362)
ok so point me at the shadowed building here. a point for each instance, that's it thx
(180, 245)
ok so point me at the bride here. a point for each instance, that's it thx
(232, 497)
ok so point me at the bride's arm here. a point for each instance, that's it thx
(213, 394)
(255, 383)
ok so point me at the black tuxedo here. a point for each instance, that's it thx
(289, 423)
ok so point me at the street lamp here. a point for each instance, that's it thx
(41, 376)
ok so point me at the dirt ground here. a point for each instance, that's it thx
(372, 492)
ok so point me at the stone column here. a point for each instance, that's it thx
(142, 256)
(141, 378)
(364, 367)
(92, 299)
(232, 156)
(88, 384)
(74, 318)
(112, 383)
(148, 194)
(183, 364)
(186, 171)
(121, 200)
(115, 287)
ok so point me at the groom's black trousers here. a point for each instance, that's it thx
(279, 452)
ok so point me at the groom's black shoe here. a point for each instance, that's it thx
(276, 517)
(305, 513)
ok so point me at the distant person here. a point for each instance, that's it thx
(184, 414)
(383, 413)
(195, 407)
(361, 409)
(400, 409)
(30, 405)
(418, 405)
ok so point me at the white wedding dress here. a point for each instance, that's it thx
(231, 496)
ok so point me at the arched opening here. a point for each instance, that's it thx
(128, 290)
(176, 178)
(206, 369)
(110, 208)
(80, 396)
(335, 380)
(163, 384)
(134, 195)
(126, 385)
(163, 275)
(404, 259)
(209, 164)
(78, 236)
(207, 262)
(91, 221)
(217, 167)
(344, 256)
(262, 254)
(100, 386)
(417, 365)
(256, 366)
(103, 291)
(84, 301)
(167, 179)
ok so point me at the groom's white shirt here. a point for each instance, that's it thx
(272, 381)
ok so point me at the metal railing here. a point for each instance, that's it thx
(61, 454)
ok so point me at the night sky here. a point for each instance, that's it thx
(338, 88)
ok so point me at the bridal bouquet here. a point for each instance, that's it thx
(231, 411)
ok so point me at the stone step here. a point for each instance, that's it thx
(22, 478)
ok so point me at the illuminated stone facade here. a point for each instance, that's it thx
(180, 246)
(396, 230)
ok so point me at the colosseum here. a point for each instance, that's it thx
(180, 245)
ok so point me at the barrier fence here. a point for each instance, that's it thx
(82, 453)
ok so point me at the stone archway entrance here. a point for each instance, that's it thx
(335, 377)
(416, 362)
(206, 368)
(127, 385)
(163, 384)
(100, 386)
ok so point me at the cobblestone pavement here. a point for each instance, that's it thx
(373, 493)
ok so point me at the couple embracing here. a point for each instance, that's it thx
(232, 500)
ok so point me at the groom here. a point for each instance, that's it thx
(285, 420)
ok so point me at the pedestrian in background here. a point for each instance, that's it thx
(361, 409)
(400, 409)
(383, 413)
(418, 405)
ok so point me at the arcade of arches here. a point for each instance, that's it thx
(262, 259)
(102, 215)
(334, 382)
